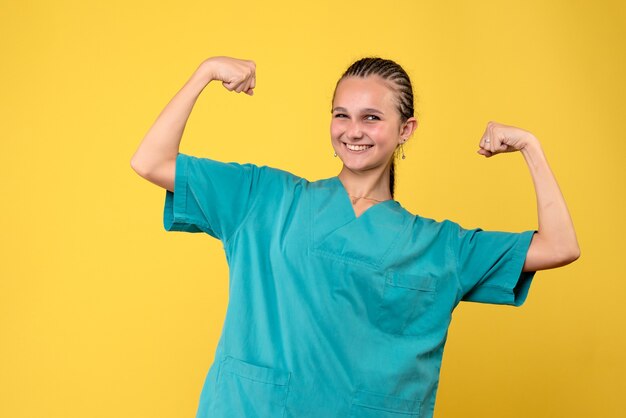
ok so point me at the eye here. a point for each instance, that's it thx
(373, 116)
(339, 114)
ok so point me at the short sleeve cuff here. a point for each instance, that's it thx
(513, 289)
(176, 213)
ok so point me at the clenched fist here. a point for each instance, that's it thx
(235, 74)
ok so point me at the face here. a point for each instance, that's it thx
(365, 127)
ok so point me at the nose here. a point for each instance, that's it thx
(354, 130)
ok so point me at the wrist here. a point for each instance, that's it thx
(205, 71)
(532, 151)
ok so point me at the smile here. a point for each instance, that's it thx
(357, 148)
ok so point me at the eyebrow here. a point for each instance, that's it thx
(367, 109)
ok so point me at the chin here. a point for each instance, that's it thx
(357, 166)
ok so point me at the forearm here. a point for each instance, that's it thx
(162, 141)
(556, 229)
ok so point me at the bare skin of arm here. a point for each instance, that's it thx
(555, 243)
(155, 159)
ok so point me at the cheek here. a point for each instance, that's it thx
(381, 133)
(335, 130)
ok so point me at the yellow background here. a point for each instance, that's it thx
(105, 314)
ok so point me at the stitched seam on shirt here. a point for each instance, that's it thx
(520, 250)
(187, 221)
(377, 408)
(288, 388)
(315, 240)
(452, 254)
(181, 197)
(199, 222)
(250, 211)
(511, 269)
(255, 380)
(495, 286)
(374, 267)
(395, 240)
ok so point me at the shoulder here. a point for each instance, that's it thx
(279, 180)
(260, 175)
(276, 173)
(274, 188)
(424, 224)
(439, 232)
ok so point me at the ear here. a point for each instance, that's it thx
(408, 127)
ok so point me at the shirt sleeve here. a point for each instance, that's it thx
(489, 265)
(210, 196)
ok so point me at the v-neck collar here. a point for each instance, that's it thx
(337, 232)
(346, 195)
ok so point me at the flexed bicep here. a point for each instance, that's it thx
(542, 255)
(162, 175)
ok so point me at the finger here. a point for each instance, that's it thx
(240, 86)
(495, 145)
(251, 86)
(483, 139)
(500, 144)
(246, 85)
(491, 138)
(238, 83)
(250, 89)
(481, 142)
(485, 142)
(247, 80)
(230, 85)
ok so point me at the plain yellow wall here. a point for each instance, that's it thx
(105, 314)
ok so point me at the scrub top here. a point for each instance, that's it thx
(330, 314)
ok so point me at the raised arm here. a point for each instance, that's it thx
(555, 243)
(155, 159)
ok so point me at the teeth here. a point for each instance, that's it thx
(358, 147)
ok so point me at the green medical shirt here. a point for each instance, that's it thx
(329, 314)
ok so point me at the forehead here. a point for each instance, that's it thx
(371, 91)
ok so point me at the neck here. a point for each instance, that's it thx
(372, 183)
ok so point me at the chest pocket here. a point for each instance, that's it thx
(407, 303)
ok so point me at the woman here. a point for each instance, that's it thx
(339, 298)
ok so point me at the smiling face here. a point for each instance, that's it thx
(365, 125)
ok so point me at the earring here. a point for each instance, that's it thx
(402, 148)
(335, 154)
